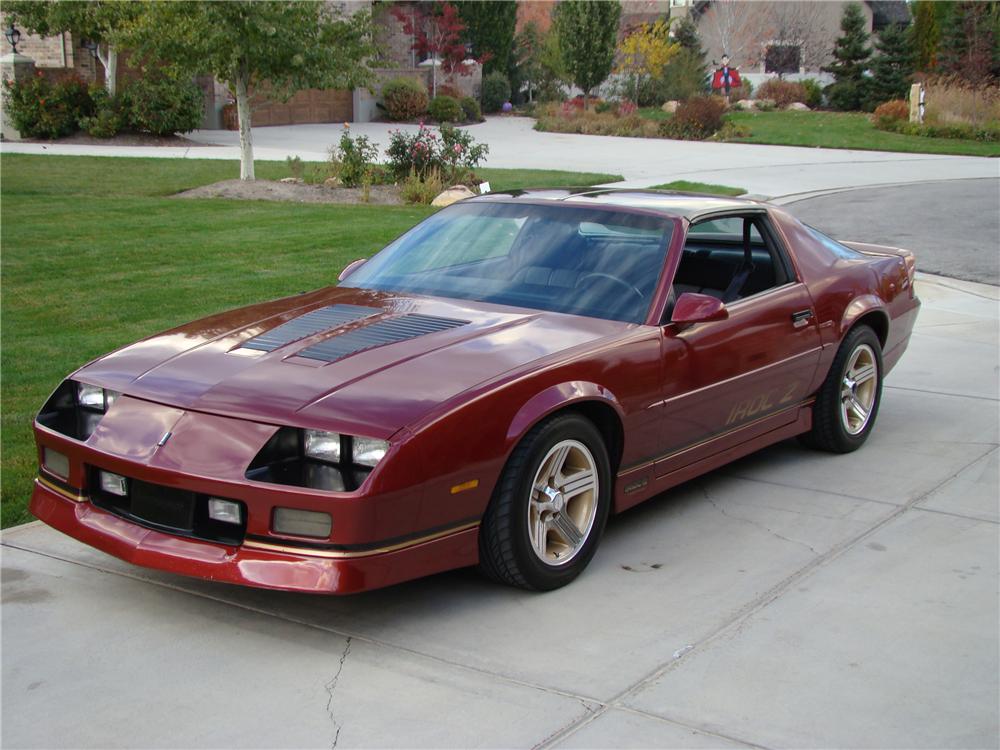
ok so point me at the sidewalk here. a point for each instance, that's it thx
(792, 599)
(761, 170)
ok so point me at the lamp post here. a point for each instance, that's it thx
(13, 36)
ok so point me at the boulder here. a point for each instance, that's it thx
(747, 104)
(292, 180)
(331, 182)
(797, 107)
(451, 195)
(670, 107)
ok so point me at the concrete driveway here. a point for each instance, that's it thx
(793, 599)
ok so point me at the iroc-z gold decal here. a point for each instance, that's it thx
(761, 403)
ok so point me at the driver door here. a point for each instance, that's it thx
(731, 380)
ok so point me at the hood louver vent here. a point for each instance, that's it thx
(383, 332)
(307, 325)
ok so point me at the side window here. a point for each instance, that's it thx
(731, 258)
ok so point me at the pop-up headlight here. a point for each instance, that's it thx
(76, 408)
(317, 459)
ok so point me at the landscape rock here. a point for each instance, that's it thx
(451, 195)
(670, 107)
(747, 104)
(331, 182)
(292, 180)
(798, 107)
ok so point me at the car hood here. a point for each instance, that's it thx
(359, 361)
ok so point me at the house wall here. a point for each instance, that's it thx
(55, 55)
(744, 30)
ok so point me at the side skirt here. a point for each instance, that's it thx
(647, 485)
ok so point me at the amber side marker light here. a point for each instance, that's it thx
(470, 485)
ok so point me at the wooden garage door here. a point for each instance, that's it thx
(311, 105)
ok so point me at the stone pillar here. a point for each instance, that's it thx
(917, 103)
(14, 67)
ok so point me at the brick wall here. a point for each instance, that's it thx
(58, 55)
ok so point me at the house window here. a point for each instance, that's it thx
(782, 58)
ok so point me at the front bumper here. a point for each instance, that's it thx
(263, 565)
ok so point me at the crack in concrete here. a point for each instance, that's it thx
(772, 532)
(330, 687)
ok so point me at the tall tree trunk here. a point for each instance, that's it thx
(243, 113)
(434, 76)
(109, 61)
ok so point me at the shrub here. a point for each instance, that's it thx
(351, 159)
(164, 105)
(985, 133)
(404, 99)
(746, 90)
(684, 77)
(695, 119)
(111, 115)
(459, 154)
(40, 109)
(445, 109)
(847, 96)
(451, 152)
(417, 189)
(731, 130)
(446, 89)
(295, 166)
(814, 92)
(568, 118)
(470, 108)
(782, 92)
(890, 111)
(765, 105)
(496, 91)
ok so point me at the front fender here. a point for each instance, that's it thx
(858, 308)
(556, 397)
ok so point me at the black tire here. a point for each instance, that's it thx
(831, 431)
(506, 554)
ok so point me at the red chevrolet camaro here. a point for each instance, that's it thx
(487, 389)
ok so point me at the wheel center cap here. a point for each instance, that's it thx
(558, 502)
(555, 498)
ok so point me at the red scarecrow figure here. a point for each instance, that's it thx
(726, 78)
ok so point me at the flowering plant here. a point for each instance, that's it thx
(450, 151)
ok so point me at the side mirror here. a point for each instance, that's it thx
(698, 308)
(351, 267)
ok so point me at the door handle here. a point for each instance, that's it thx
(801, 318)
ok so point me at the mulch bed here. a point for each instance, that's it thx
(123, 139)
(269, 190)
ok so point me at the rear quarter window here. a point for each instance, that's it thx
(841, 251)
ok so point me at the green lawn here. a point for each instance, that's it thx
(846, 130)
(850, 130)
(700, 187)
(95, 256)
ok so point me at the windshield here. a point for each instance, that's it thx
(585, 261)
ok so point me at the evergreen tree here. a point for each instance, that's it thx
(892, 67)
(851, 55)
(490, 27)
(686, 34)
(926, 34)
(588, 34)
(968, 45)
(686, 74)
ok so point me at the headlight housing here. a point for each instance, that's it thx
(317, 459)
(76, 408)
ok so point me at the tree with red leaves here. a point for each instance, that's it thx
(436, 29)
